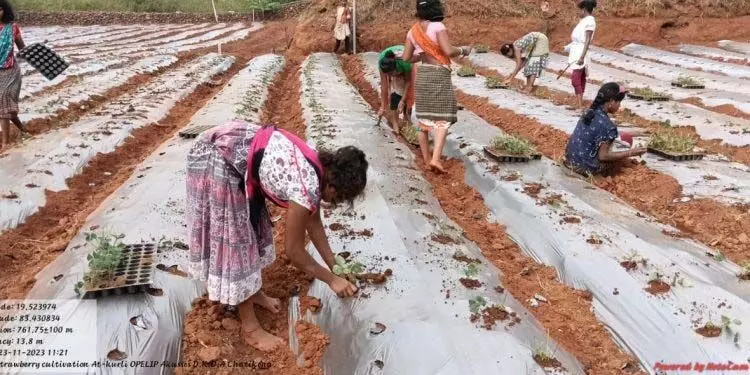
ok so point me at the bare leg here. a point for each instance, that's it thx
(253, 333)
(437, 152)
(269, 303)
(5, 126)
(17, 122)
(336, 49)
(393, 119)
(530, 83)
(579, 100)
(424, 146)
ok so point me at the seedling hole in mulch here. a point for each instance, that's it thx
(377, 328)
(442, 239)
(629, 265)
(533, 190)
(156, 292)
(173, 269)
(470, 283)
(571, 220)
(116, 355)
(463, 258)
(493, 314)
(657, 287)
(546, 361)
(709, 330)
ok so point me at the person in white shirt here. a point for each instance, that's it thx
(581, 39)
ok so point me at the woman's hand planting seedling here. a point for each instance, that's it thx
(348, 270)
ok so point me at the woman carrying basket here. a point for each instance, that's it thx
(435, 104)
(10, 72)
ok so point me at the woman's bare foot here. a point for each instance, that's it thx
(269, 303)
(437, 167)
(260, 339)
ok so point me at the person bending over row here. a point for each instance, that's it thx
(10, 72)
(396, 88)
(231, 171)
(589, 148)
(436, 108)
(531, 53)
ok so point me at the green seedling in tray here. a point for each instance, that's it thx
(668, 140)
(481, 48)
(648, 94)
(494, 83)
(104, 260)
(510, 145)
(410, 134)
(687, 81)
(347, 269)
(466, 71)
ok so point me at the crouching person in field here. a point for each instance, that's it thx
(589, 149)
(231, 171)
(531, 54)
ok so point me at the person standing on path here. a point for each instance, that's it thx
(10, 72)
(589, 149)
(341, 30)
(396, 88)
(435, 105)
(581, 39)
(531, 53)
(231, 170)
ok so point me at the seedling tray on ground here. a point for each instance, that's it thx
(463, 74)
(194, 131)
(687, 86)
(506, 158)
(496, 86)
(648, 99)
(686, 156)
(134, 275)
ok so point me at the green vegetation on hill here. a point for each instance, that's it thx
(185, 6)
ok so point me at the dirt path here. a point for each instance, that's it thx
(569, 320)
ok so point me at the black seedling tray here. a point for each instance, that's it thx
(651, 99)
(504, 158)
(137, 270)
(194, 131)
(696, 87)
(497, 86)
(43, 59)
(460, 74)
(687, 156)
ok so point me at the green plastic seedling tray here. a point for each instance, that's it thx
(505, 158)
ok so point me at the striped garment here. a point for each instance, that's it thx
(10, 91)
(435, 99)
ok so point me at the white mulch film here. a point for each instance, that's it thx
(146, 207)
(427, 333)
(713, 52)
(632, 314)
(708, 124)
(730, 45)
(685, 61)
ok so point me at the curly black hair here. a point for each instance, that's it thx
(589, 5)
(345, 171)
(430, 10)
(9, 15)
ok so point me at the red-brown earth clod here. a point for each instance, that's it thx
(629, 265)
(547, 362)
(470, 283)
(657, 287)
(709, 330)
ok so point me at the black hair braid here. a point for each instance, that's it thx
(345, 171)
(609, 91)
(388, 63)
(430, 10)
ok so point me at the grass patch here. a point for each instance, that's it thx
(493, 83)
(510, 145)
(648, 93)
(148, 6)
(668, 140)
(410, 134)
(687, 81)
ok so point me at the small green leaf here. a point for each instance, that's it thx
(339, 260)
(356, 268)
(337, 269)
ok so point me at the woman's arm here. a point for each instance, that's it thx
(385, 89)
(407, 84)
(317, 233)
(445, 45)
(606, 154)
(589, 37)
(519, 64)
(408, 54)
(19, 40)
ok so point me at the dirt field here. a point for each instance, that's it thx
(495, 267)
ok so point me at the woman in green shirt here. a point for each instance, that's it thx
(395, 85)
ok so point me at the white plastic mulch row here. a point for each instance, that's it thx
(36, 82)
(150, 206)
(731, 45)
(732, 183)
(708, 124)
(48, 160)
(88, 86)
(58, 33)
(427, 332)
(667, 73)
(685, 61)
(711, 52)
(653, 329)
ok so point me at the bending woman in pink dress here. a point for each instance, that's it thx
(232, 170)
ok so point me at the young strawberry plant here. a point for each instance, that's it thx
(103, 261)
(476, 303)
(347, 269)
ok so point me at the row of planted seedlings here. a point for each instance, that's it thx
(592, 240)
(47, 161)
(649, 99)
(436, 281)
(148, 253)
(682, 191)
